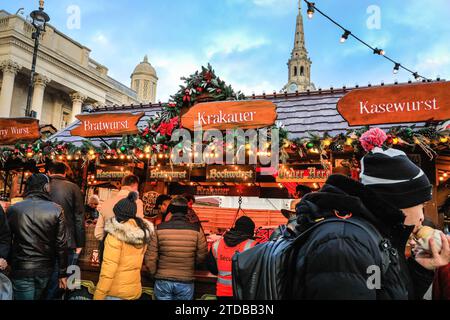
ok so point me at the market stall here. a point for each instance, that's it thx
(316, 135)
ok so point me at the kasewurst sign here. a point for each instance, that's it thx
(396, 104)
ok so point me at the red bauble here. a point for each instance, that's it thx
(208, 76)
(199, 89)
(389, 139)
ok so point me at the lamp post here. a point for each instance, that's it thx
(40, 19)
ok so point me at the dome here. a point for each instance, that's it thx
(145, 68)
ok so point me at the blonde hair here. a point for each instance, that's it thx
(94, 199)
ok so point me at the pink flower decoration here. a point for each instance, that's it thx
(373, 138)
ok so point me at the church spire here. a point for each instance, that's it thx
(299, 78)
(299, 42)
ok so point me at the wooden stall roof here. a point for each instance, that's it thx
(300, 113)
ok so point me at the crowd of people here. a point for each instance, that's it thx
(45, 233)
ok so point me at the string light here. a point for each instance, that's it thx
(345, 36)
(312, 9)
(379, 51)
(396, 68)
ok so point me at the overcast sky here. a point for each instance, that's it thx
(249, 42)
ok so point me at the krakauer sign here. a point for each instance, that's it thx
(396, 104)
(250, 114)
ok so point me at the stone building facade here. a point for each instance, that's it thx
(67, 78)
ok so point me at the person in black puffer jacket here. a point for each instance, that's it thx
(38, 240)
(336, 260)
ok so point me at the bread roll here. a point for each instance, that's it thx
(423, 239)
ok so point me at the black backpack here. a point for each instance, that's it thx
(265, 272)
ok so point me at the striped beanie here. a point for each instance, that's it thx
(393, 176)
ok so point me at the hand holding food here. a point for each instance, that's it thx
(423, 237)
(432, 252)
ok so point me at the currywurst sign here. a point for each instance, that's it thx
(396, 104)
(107, 124)
(13, 130)
(224, 115)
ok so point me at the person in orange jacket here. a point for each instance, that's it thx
(219, 261)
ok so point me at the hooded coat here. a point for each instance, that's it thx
(123, 257)
(334, 261)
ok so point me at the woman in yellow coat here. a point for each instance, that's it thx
(125, 246)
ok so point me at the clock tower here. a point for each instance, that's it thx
(299, 65)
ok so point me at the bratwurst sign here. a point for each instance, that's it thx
(396, 104)
(251, 114)
(107, 124)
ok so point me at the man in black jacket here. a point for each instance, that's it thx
(5, 240)
(341, 260)
(38, 240)
(69, 197)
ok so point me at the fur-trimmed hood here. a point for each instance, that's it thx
(129, 232)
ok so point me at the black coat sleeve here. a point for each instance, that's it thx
(61, 245)
(78, 217)
(5, 235)
(211, 263)
(421, 278)
(337, 269)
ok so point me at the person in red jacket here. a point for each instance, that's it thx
(441, 283)
(219, 261)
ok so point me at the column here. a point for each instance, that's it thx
(40, 82)
(57, 111)
(10, 69)
(77, 103)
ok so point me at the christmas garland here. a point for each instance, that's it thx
(428, 138)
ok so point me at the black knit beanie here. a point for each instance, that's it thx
(126, 208)
(245, 225)
(36, 183)
(393, 176)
